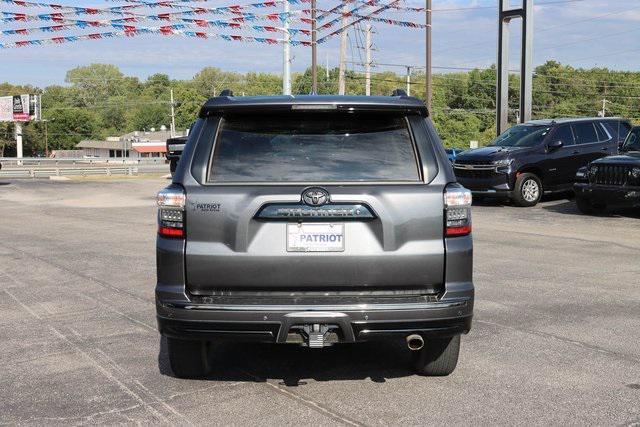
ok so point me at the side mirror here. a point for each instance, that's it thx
(554, 145)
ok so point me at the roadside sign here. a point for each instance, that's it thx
(19, 108)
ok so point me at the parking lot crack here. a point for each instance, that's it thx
(582, 344)
(315, 406)
(94, 362)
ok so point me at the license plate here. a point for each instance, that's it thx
(312, 237)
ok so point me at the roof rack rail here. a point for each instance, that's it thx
(226, 92)
(398, 92)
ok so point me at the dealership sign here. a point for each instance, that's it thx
(19, 108)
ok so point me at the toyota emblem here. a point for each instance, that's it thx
(315, 196)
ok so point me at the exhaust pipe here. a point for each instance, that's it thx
(415, 342)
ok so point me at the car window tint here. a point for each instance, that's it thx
(314, 147)
(602, 135)
(524, 135)
(585, 133)
(618, 129)
(613, 129)
(563, 133)
(622, 129)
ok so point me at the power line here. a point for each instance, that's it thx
(593, 18)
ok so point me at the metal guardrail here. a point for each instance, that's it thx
(70, 170)
(44, 161)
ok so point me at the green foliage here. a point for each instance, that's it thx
(66, 127)
(457, 127)
(99, 100)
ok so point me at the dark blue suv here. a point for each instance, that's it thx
(541, 156)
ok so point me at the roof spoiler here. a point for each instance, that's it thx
(398, 92)
(226, 92)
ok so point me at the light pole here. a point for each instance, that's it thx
(428, 74)
(314, 49)
(46, 137)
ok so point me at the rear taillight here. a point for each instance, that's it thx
(171, 203)
(457, 211)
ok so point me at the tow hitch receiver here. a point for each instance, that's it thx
(315, 334)
(316, 329)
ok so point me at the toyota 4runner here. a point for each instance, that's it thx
(314, 220)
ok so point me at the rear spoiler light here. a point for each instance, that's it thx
(171, 212)
(457, 210)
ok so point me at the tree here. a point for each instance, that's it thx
(101, 101)
(457, 128)
(211, 81)
(189, 103)
(68, 126)
(149, 115)
(157, 86)
(96, 83)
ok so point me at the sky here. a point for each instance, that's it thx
(582, 33)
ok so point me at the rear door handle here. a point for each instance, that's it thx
(576, 152)
(605, 149)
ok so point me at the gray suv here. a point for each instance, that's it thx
(314, 220)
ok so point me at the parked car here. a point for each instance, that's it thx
(314, 220)
(452, 153)
(541, 156)
(175, 146)
(612, 180)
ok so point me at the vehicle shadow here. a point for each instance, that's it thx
(570, 208)
(292, 364)
(499, 202)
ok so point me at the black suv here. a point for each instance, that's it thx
(314, 220)
(613, 180)
(537, 157)
(175, 146)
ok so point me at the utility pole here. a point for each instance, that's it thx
(409, 80)
(286, 60)
(18, 130)
(46, 137)
(603, 113)
(367, 66)
(314, 49)
(429, 78)
(343, 51)
(327, 68)
(173, 116)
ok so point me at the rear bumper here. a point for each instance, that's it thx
(352, 323)
(610, 195)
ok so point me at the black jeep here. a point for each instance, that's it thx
(612, 180)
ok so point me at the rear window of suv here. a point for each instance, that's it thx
(310, 147)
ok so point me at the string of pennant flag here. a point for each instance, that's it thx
(127, 9)
(145, 31)
(185, 18)
(189, 23)
(64, 23)
(61, 18)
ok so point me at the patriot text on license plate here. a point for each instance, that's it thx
(312, 237)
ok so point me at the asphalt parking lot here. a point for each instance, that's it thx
(556, 335)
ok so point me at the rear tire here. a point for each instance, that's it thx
(438, 357)
(528, 191)
(188, 359)
(588, 208)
